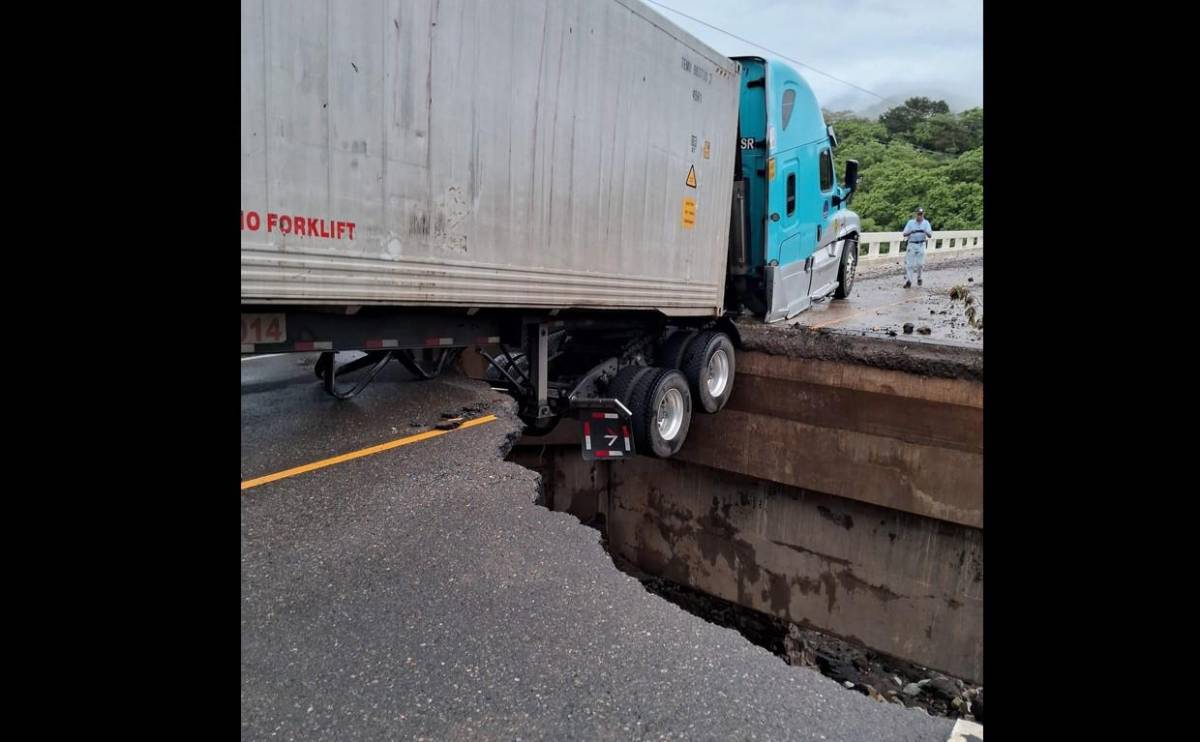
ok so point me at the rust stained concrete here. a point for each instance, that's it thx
(874, 435)
(903, 584)
(907, 585)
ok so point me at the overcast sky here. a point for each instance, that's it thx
(896, 48)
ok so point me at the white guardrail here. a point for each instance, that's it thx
(884, 245)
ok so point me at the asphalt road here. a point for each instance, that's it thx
(420, 593)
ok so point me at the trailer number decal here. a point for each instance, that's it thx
(690, 66)
(689, 213)
(301, 226)
(263, 328)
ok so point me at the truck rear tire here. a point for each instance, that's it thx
(662, 412)
(670, 353)
(621, 387)
(847, 268)
(709, 366)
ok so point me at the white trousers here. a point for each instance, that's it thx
(914, 261)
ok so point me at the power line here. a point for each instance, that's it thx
(772, 51)
(802, 64)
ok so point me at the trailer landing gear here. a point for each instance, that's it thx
(424, 369)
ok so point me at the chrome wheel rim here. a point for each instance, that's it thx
(851, 265)
(670, 414)
(718, 374)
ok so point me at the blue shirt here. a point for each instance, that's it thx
(918, 232)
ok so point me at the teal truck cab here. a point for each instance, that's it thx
(793, 238)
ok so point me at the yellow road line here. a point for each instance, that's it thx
(361, 453)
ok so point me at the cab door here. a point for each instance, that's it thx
(791, 234)
(826, 256)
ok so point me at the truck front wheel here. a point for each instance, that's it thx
(847, 268)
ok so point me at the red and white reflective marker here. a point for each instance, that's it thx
(605, 434)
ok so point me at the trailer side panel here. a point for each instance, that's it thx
(527, 153)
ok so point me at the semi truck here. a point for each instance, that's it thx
(579, 190)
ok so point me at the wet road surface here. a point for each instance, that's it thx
(420, 593)
(879, 303)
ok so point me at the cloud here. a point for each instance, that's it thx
(897, 48)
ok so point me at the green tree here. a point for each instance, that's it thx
(927, 107)
(972, 120)
(894, 189)
(832, 117)
(945, 175)
(966, 168)
(942, 132)
(901, 122)
(860, 130)
(859, 139)
(955, 205)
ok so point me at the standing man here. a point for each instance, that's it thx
(917, 231)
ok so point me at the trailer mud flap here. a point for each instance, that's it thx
(607, 435)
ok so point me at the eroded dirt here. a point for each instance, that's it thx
(924, 358)
(858, 668)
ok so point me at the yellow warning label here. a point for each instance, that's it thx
(691, 178)
(707, 148)
(689, 212)
(771, 169)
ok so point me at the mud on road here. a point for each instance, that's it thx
(931, 330)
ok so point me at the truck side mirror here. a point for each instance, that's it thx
(851, 179)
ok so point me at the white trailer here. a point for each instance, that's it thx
(421, 176)
(475, 153)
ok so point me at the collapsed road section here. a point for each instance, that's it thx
(420, 593)
(840, 490)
